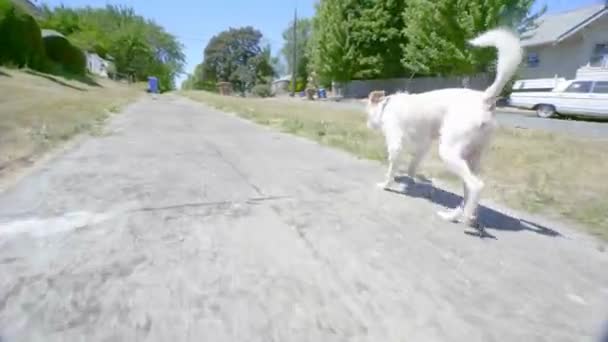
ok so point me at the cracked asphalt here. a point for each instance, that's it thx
(182, 223)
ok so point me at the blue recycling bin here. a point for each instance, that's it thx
(322, 94)
(153, 84)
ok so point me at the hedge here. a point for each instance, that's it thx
(261, 90)
(20, 38)
(60, 51)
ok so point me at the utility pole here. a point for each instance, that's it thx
(295, 53)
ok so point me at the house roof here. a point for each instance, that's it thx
(51, 33)
(286, 78)
(555, 27)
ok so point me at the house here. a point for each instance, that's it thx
(281, 85)
(99, 66)
(47, 33)
(567, 45)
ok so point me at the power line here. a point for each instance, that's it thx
(193, 38)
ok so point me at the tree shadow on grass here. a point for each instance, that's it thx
(88, 80)
(2, 73)
(70, 77)
(54, 79)
(488, 218)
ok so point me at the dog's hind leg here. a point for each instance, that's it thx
(452, 156)
(473, 159)
(455, 214)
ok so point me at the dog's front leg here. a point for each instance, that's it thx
(419, 154)
(389, 174)
(394, 149)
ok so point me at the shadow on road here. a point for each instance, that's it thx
(581, 118)
(487, 217)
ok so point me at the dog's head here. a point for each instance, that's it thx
(373, 109)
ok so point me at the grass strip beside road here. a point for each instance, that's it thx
(40, 111)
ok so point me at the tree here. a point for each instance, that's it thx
(376, 33)
(235, 56)
(357, 39)
(303, 34)
(438, 31)
(332, 54)
(140, 47)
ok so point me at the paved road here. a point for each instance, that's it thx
(526, 120)
(185, 224)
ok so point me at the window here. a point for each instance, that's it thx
(599, 57)
(579, 87)
(532, 60)
(601, 87)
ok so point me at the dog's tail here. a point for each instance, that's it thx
(509, 56)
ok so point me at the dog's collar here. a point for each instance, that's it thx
(384, 103)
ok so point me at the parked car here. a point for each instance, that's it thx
(577, 97)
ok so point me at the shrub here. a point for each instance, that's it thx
(262, 90)
(300, 85)
(62, 52)
(20, 38)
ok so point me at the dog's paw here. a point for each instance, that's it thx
(452, 215)
(470, 221)
(383, 185)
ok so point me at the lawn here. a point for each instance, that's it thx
(40, 111)
(558, 176)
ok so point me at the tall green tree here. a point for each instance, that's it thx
(303, 34)
(332, 54)
(236, 56)
(437, 32)
(375, 28)
(358, 39)
(198, 80)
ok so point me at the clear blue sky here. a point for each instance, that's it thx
(194, 22)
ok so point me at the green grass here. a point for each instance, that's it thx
(557, 176)
(40, 111)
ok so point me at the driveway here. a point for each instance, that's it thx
(182, 223)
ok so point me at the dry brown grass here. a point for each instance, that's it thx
(538, 172)
(39, 111)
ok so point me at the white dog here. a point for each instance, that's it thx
(462, 119)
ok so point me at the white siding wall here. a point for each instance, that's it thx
(562, 60)
(96, 65)
(594, 34)
(565, 58)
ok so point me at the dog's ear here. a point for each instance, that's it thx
(376, 96)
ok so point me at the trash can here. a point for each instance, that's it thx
(322, 93)
(153, 84)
